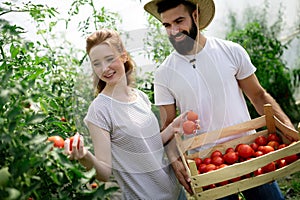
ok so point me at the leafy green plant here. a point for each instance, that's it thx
(266, 53)
(39, 97)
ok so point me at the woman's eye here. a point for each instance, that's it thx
(110, 59)
(96, 64)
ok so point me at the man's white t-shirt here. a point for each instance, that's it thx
(211, 88)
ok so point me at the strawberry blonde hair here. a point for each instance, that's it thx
(113, 39)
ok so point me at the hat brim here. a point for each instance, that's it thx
(206, 8)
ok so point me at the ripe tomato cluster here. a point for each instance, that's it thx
(242, 152)
(190, 125)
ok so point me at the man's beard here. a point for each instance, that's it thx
(187, 44)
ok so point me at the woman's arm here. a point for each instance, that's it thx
(101, 161)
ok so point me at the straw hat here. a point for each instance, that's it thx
(206, 8)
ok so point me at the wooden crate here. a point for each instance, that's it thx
(263, 125)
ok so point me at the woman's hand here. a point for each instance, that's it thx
(77, 151)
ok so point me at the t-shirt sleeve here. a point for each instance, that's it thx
(245, 68)
(162, 94)
(99, 116)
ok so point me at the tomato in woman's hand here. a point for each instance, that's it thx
(71, 142)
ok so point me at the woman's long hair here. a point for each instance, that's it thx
(113, 39)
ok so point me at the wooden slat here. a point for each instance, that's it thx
(268, 111)
(181, 153)
(291, 134)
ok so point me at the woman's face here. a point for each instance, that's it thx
(107, 64)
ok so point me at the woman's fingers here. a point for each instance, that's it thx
(67, 146)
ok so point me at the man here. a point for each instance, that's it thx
(206, 75)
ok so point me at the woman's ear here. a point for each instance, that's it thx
(124, 57)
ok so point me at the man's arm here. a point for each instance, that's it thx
(259, 97)
(167, 115)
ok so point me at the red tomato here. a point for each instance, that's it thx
(230, 157)
(192, 116)
(217, 160)
(207, 160)
(273, 144)
(235, 179)
(291, 158)
(202, 168)
(236, 148)
(198, 161)
(71, 142)
(230, 149)
(254, 146)
(274, 137)
(258, 172)
(210, 167)
(282, 146)
(258, 153)
(281, 163)
(94, 185)
(267, 149)
(223, 183)
(269, 167)
(245, 151)
(216, 153)
(57, 140)
(261, 140)
(189, 127)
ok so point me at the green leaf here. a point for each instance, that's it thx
(4, 174)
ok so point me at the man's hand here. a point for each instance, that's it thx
(182, 174)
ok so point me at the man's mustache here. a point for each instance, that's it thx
(178, 35)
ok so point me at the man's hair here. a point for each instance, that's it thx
(165, 5)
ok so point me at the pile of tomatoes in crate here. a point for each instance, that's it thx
(242, 152)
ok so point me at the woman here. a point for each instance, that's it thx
(125, 132)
